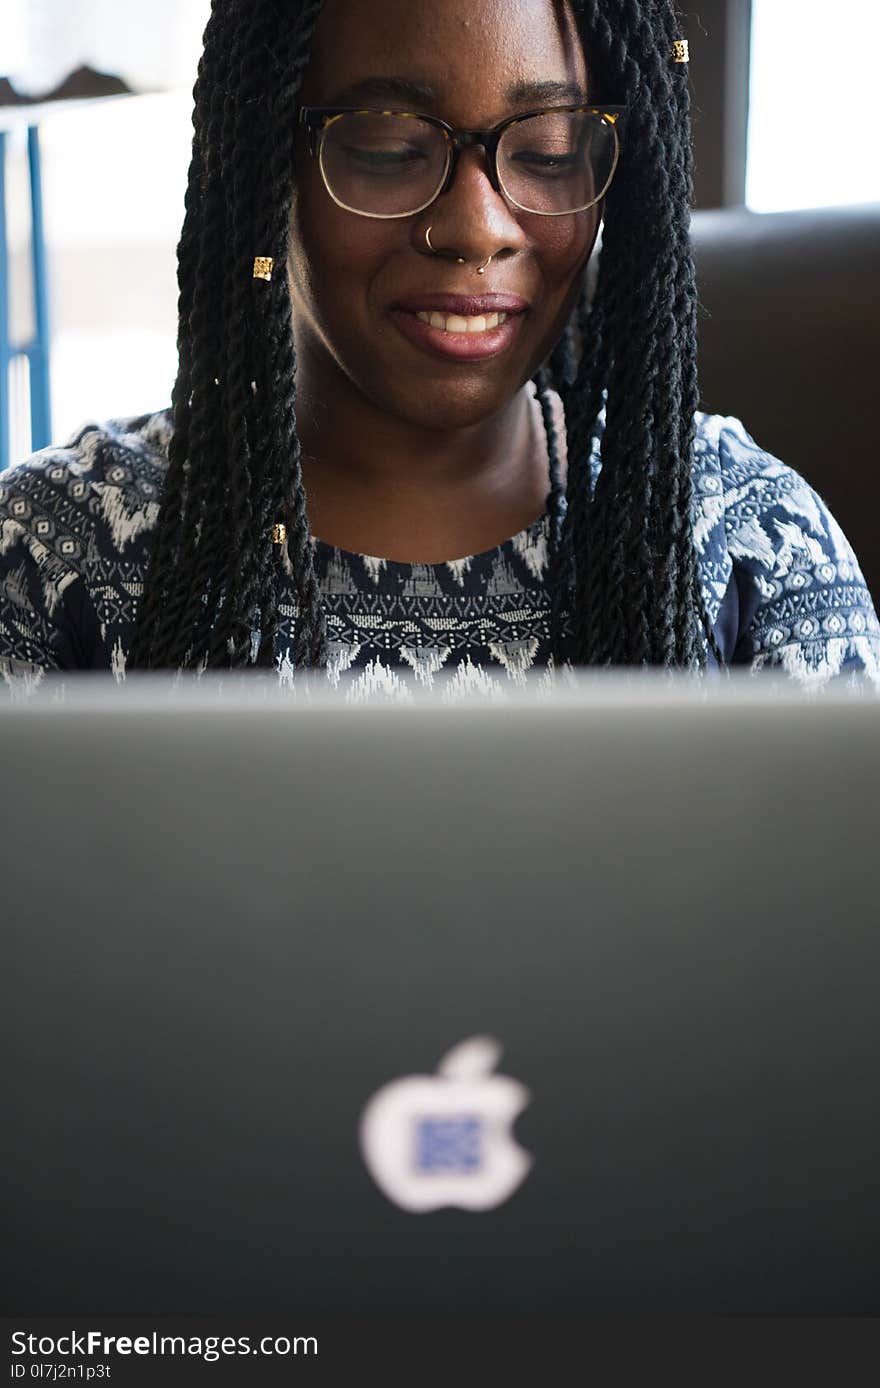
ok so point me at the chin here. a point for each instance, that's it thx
(459, 406)
(446, 398)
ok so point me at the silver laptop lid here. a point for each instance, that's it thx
(567, 1005)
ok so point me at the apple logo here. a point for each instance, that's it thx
(445, 1139)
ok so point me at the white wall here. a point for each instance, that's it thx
(148, 42)
(114, 178)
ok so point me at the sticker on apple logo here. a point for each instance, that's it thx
(445, 1139)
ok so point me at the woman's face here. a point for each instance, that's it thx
(357, 283)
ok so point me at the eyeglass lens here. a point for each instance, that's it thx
(394, 165)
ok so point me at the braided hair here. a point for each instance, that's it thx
(623, 572)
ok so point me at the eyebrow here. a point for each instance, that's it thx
(571, 92)
(421, 93)
(386, 88)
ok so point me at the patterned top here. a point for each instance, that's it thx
(781, 583)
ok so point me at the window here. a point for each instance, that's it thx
(814, 126)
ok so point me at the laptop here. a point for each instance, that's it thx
(565, 1005)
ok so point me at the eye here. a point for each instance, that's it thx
(379, 159)
(552, 145)
(545, 164)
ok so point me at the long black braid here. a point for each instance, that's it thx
(623, 569)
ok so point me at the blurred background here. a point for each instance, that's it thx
(785, 118)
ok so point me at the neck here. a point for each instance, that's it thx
(377, 483)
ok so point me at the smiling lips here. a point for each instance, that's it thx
(452, 323)
(461, 327)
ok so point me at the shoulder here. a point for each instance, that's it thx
(803, 601)
(121, 456)
(74, 528)
(101, 487)
(766, 503)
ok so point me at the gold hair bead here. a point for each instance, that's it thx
(263, 265)
(279, 533)
(680, 51)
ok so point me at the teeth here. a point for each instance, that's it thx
(453, 323)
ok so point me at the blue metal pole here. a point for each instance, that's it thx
(41, 416)
(5, 353)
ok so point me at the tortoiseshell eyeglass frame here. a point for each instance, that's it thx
(318, 119)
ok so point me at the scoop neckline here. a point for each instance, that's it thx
(533, 528)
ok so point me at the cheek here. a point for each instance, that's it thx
(563, 245)
(335, 255)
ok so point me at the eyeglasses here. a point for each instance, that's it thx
(395, 163)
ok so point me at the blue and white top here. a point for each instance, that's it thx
(781, 583)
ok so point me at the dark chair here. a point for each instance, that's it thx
(790, 343)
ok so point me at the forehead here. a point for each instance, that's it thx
(470, 59)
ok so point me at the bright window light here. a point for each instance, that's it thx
(814, 122)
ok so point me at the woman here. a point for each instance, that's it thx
(402, 438)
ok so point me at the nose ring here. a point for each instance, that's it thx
(459, 259)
